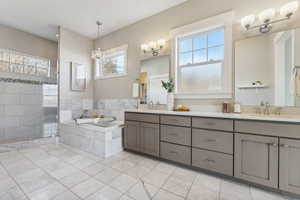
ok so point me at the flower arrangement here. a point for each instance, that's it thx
(168, 85)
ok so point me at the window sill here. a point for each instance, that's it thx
(204, 96)
(110, 76)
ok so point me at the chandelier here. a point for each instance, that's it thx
(97, 54)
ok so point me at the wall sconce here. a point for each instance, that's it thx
(154, 47)
(267, 16)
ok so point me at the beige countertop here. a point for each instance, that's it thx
(246, 116)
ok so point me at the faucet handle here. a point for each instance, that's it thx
(262, 103)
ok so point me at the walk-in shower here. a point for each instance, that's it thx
(28, 97)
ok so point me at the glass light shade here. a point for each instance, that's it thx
(97, 54)
(247, 21)
(289, 9)
(152, 45)
(266, 15)
(161, 42)
(144, 47)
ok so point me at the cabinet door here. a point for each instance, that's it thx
(132, 136)
(256, 159)
(150, 138)
(289, 172)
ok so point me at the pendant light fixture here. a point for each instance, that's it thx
(97, 54)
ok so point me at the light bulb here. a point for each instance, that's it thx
(247, 21)
(266, 15)
(289, 9)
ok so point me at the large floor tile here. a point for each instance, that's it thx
(123, 183)
(74, 179)
(177, 186)
(156, 178)
(123, 165)
(67, 195)
(48, 192)
(94, 169)
(106, 193)
(258, 194)
(87, 188)
(138, 171)
(142, 191)
(13, 193)
(200, 192)
(234, 191)
(107, 175)
(164, 195)
(6, 183)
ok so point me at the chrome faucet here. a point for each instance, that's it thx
(267, 108)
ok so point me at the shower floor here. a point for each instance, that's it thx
(59, 172)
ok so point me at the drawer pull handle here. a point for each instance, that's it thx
(284, 146)
(211, 140)
(273, 144)
(173, 134)
(173, 152)
(210, 160)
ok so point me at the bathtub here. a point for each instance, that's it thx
(101, 136)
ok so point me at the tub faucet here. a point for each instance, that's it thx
(267, 108)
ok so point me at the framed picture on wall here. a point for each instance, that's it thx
(78, 77)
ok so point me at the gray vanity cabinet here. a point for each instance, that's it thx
(149, 138)
(256, 159)
(289, 173)
(132, 135)
(142, 133)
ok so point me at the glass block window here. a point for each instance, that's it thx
(200, 62)
(50, 95)
(16, 62)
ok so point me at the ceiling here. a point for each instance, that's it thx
(42, 17)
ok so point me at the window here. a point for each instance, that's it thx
(203, 62)
(200, 59)
(114, 65)
(16, 62)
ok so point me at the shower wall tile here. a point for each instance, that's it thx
(9, 122)
(22, 113)
(9, 99)
(14, 110)
(28, 99)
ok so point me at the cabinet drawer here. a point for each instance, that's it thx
(213, 140)
(218, 162)
(268, 128)
(175, 120)
(174, 134)
(177, 153)
(142, 117)
(211, 123)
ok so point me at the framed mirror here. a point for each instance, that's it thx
(153, 71)
(267, 69)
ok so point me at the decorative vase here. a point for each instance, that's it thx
(170, 101)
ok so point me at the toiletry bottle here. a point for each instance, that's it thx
(237, 107)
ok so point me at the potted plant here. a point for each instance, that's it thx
(169, 86)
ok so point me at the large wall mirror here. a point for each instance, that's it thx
(267, 69)
(153, 71)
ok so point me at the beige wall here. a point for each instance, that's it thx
(159, 26)
(74, 48)
(17, 40)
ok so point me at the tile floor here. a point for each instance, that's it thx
(58, 172)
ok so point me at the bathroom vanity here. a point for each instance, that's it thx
(258, 149)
